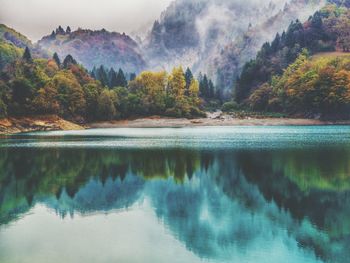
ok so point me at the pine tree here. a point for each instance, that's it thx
(68, 30)
(276, 43)
(53, 34)
(188, 78)
(132, 76)
(112, 78)
(60, 31)
(102, 76)
(94, 73)
(211, 89)
(57, 59)
(27, 56)
(68, 61)
(204, 87)
(121, 80)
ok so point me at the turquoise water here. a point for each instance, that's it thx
(211, 194)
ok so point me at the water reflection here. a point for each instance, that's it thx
(223, 205)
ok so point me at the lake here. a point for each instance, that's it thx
(210, 194)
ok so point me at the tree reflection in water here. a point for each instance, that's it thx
(212, 201)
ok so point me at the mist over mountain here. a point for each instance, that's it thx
(95, 48)
(219, 35)
(215, 37)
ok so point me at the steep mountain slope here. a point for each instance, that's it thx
(304, 71)
(95, 48)
(10, 35)
(327, 30)
(12, 44)
(219, 35)
(228, 63)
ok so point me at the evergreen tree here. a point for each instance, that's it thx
(211, 91)
(276, 43)
(60, 31)
(132, 76)
(68, 30)
(94, 73)
(68, 61)
(112, 78)
(27, 56)
(218, 95)
(121, 80)
(57, 59)
(53, 34)
(102, 76)
(204, 87)
(188, 78)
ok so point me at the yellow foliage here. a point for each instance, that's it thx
(71, 94)
(194, 92)
(177, 83)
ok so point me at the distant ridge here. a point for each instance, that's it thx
(95, 48)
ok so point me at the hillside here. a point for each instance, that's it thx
(218, 37)
(327, 30)
(95, 48)
(10, 35)
(313, 87)
(230, 61)
(8, 53)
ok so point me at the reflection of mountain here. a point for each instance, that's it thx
(96, 196)
(224, 202)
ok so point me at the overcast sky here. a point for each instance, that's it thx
(36, 18)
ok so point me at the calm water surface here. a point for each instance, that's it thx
(228, 194)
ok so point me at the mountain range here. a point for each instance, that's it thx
(215, 37)
(218, 36)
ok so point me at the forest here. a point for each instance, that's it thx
(304, 71)
(31, 86)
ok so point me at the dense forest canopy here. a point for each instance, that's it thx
(313, 87)
(32, 82)
(31, 86)
(288, 60)
(322, 32)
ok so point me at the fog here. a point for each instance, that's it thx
(36, 18)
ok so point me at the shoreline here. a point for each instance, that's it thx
(13, 125)
(55, 123)
(202, 122)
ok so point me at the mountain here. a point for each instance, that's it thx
(228, 63)
(95, 48)
(304, 71)
(214, 36)
(10, 35)
(12, 44)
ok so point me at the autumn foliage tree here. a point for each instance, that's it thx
(310, 87)
(47, 86)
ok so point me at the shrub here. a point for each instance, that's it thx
(230, 106)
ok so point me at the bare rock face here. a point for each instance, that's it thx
(95, 48)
